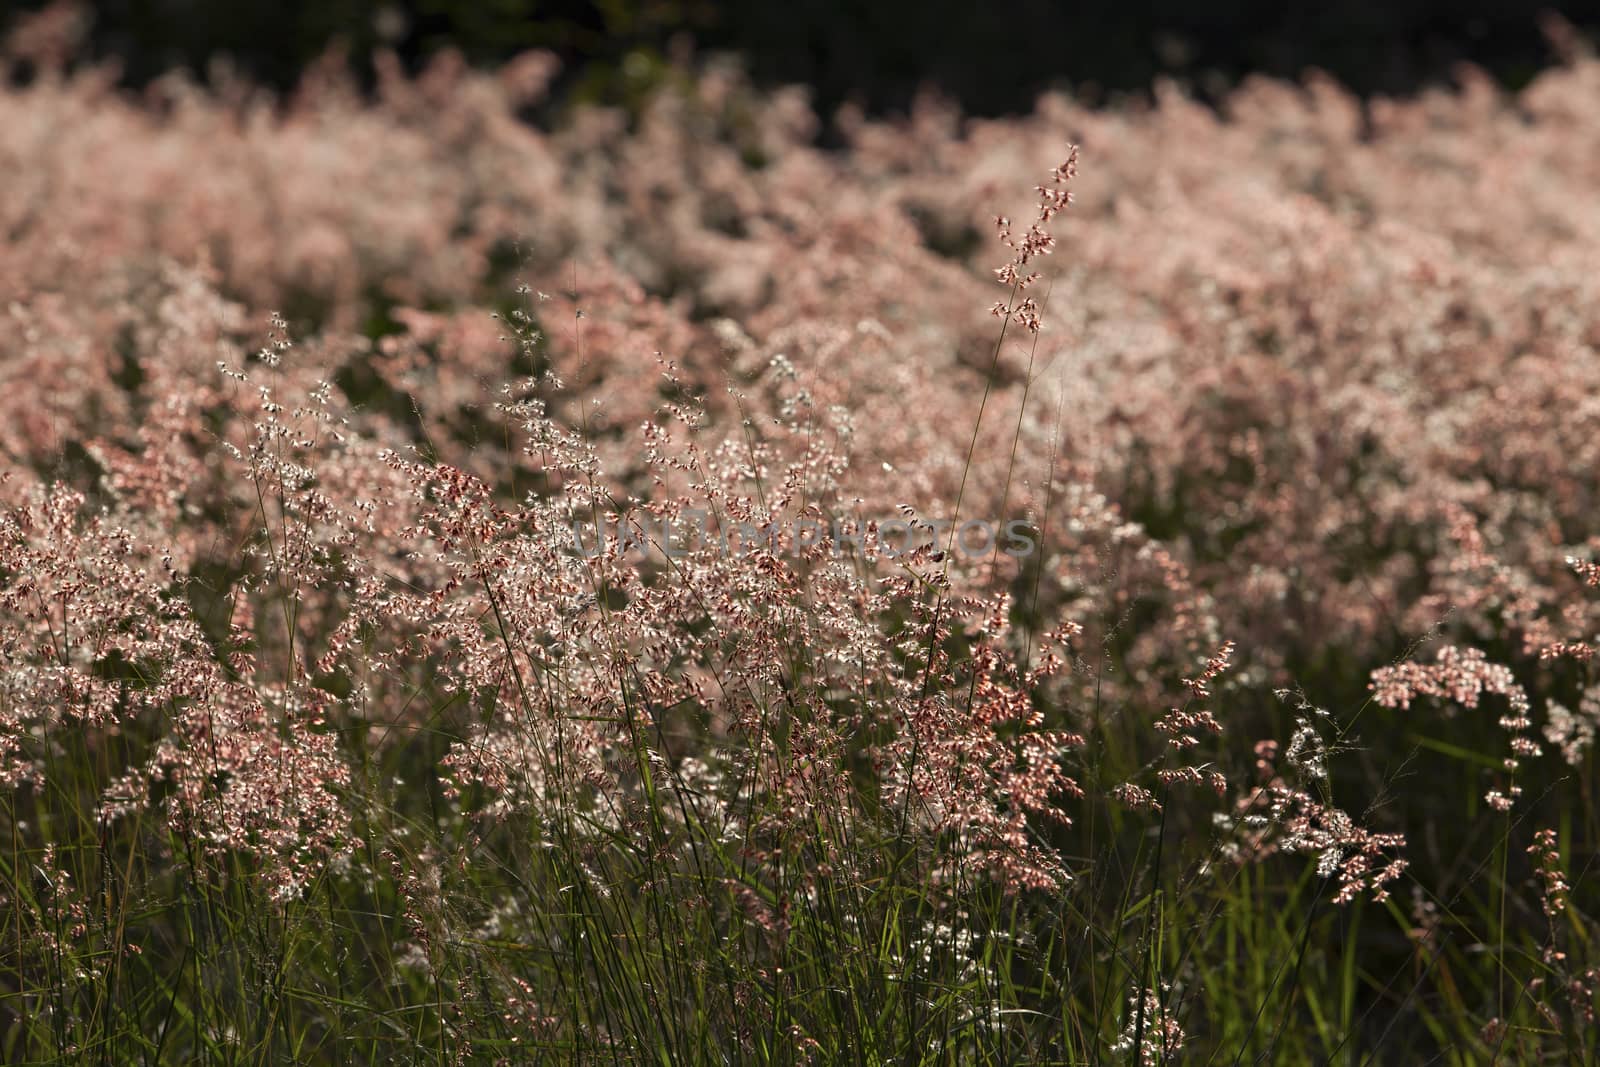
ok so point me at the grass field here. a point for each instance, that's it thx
(654, 590)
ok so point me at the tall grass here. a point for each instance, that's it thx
(322, 742)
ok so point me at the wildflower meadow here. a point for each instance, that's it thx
(490, 582)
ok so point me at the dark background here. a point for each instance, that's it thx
(993, 59)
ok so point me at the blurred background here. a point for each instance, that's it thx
(877, 55)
